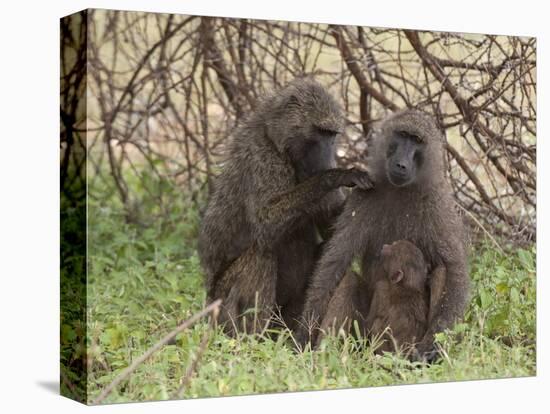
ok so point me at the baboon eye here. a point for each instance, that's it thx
(391, 148)
(406, 134)
(326, 132)
(416, 138)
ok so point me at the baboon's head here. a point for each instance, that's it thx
(303, 123)
(407, 149)
(404, 265)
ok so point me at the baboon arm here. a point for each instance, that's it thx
(277, 210)
(451, 305)
(437, 288)
(336, 259)
(342, 308)
(373, 311)
(330, 208)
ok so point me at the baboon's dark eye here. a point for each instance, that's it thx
(325, 132)
(418, 157)
(309, 145)
(406, 134)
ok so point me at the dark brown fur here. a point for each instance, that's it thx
(259, 237)
(423, 211)
(346, 307)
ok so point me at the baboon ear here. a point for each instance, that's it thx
(386, 249)
(396, 277)
(293, 101)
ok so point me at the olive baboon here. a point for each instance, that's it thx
(399, 310)
(401, 299)
(413, 201)
(279, 189)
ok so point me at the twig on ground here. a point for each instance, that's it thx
(192, 368)
(213, 307)
(72, 388)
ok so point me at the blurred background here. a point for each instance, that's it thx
(164, 92)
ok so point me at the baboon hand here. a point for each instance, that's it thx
(426, 351)
(357, 178)
(301, 337)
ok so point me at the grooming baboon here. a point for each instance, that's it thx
(278, 190)
(402, 300)
(413, 201)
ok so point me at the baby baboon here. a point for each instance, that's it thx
(398, 312)
(401, 298)
(413, 200)
(278, 191)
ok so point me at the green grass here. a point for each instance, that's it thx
(143, 281)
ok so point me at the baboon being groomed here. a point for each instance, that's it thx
(413, 200)
(277, 193)
(402, 297)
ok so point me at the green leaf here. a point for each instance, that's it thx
(68, 335)
(486, 298)
(502, 288)
(526, 259)
(514, 295)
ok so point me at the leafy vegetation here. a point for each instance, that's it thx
(73, 287)
(145, 279)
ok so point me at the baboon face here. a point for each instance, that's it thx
(315, 152)
(404, 156)
(404, 265)
(305, 126)
(408, 150)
